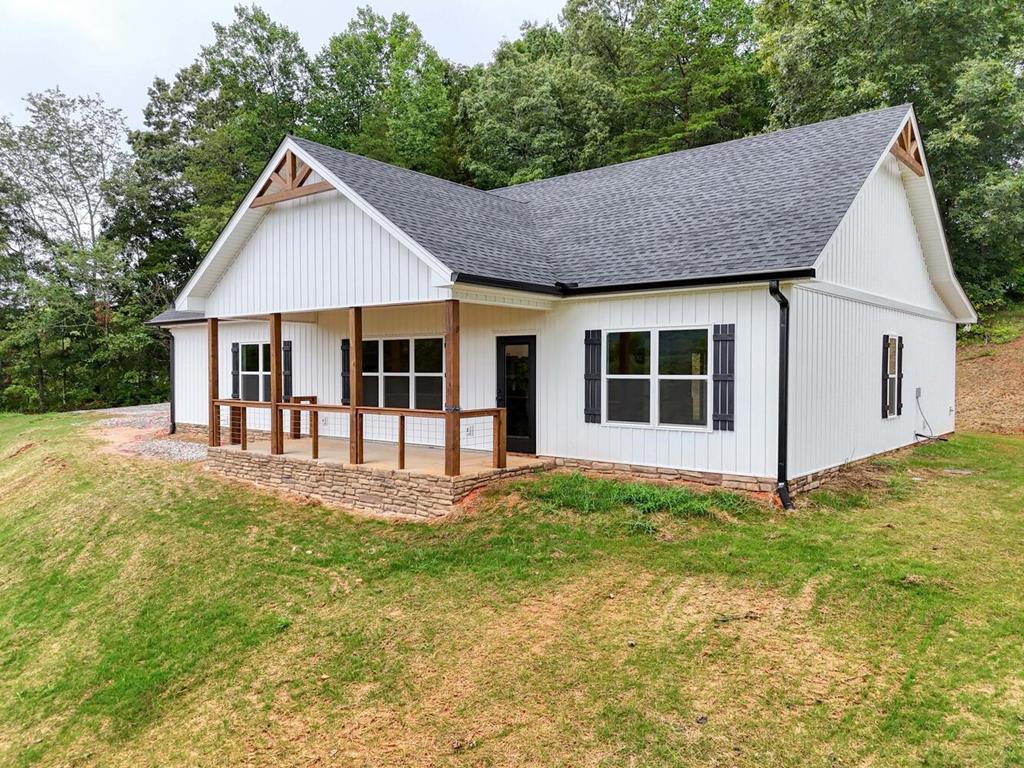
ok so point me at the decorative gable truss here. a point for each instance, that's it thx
(288, 181)
(907, 149)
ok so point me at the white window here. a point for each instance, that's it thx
(658, 377)
(254, 371)
(404, 373)
(892, 373)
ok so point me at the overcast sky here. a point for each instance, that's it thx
(116, 47)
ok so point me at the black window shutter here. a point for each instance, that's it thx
(286, 369)
(723, 412)
(899, 376)
(592, 377)
(345, 372)
(885, 376)
(234, 370)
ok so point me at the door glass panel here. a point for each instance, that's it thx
(517, 389)
(266, 357)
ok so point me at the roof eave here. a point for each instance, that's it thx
(572, 289)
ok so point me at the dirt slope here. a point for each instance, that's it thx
(990, 388)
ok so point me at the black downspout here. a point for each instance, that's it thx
(174, 426)
(783, 479)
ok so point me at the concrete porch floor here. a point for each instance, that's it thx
(418, 458)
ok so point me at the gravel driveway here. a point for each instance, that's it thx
(141, 430)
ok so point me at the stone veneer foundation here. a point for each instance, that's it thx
(389, 492)
(398, 492)
(666, 474)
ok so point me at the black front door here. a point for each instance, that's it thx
(517, 390)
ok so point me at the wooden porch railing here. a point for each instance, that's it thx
(308, 403)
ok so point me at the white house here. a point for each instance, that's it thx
(754, 313)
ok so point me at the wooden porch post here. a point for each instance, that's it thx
(452, 420)
(276, 385)
(355, 385)
(213, 420)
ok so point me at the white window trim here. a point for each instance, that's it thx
(260, 374)
(654, 377)
(892, 405)
(411, 374)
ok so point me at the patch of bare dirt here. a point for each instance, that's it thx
(989, 395)
(20, 450)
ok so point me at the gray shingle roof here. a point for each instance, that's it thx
(767, 203)
(468, 230)
(760, 204)
(175, 317)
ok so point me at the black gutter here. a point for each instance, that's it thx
(783, 476)
(572, 289)
(174, 424)
(500, 282)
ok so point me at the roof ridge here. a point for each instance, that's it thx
(403, 168)
(636, 160)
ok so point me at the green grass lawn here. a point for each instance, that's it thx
(153, 615)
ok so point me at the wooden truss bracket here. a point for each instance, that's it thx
(287, 182)
(907, 149)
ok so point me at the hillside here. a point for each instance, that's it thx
(990, 377)
(153, 615)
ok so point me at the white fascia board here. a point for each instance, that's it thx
(873, 299)
(502, 297)
(225, 233)
(964, 313)
(967, 313)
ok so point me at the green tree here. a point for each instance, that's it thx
(689, 76)
(537, 110)
(71, 333)
(960, 64)
(380, 90)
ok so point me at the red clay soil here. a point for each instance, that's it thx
(990, 388)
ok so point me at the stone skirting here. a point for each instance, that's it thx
(379, 491)
(665, 474)
(814, 480)
(199, 430)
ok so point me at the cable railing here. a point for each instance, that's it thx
(239, 430)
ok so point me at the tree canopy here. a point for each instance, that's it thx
(99, 226)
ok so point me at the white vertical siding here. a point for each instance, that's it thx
(190, 374)
(319, 252)
(836, 379)
(749, 450)
(561, 430)
(877, 249)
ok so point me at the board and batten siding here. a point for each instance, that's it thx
(836, 344)
(748, 450)
(876, 248)
(320, 252)
(835, 402)
(561, 429)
